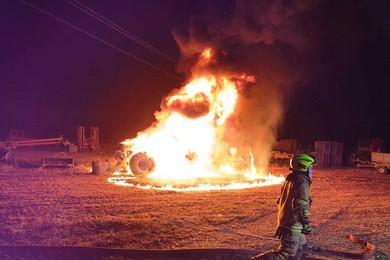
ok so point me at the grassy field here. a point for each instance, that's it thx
(69, 208)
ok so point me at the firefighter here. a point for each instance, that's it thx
(293, 219)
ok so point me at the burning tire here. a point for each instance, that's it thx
(141, 165)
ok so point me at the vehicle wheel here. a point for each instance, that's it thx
(381, 169)
(141, 165)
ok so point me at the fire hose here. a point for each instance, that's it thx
(369, 249)
(75, 252)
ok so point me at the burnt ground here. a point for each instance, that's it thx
(76, 209)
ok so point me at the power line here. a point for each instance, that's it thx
(118, 28)
(101, 40)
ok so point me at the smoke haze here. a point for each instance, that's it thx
(261, 38)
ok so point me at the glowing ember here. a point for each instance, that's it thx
(188, 148)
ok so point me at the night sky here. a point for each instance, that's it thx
(328, 60)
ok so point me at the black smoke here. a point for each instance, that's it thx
(285, 44)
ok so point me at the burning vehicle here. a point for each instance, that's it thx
(198, 135)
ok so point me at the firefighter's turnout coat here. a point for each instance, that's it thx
(294, 201)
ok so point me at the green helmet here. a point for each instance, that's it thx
(301, 162)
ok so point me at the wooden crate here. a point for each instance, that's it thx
(336, 158)
(322, 150)
(329, 153)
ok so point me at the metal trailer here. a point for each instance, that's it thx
(381, 161)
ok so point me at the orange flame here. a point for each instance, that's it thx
(205, 57)
(187, 141)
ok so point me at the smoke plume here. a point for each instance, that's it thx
(261, 38)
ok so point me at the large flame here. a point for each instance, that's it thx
(188, 141)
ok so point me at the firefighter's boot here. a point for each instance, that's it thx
(297, 256)
(304, 252)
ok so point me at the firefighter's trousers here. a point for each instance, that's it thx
(293, 242)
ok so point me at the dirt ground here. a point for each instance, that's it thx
(74, 208)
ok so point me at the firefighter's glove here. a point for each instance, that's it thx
(283, 232)
(306, 229)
